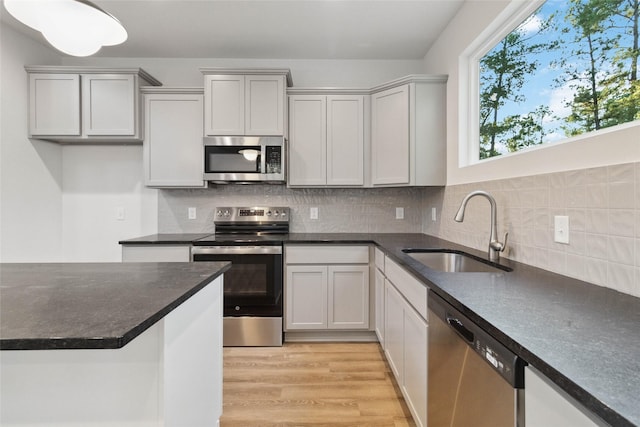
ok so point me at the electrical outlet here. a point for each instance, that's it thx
(313, 213)
(433, 214)
(120, 213)
(399, 213)
(191, 213)
(561, 229)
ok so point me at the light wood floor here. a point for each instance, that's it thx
(319, 384)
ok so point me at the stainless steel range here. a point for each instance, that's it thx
(252, 239)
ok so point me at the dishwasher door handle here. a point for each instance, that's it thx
(460, 328)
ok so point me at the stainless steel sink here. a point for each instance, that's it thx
(450, 261)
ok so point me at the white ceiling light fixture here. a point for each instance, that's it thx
(75, 27)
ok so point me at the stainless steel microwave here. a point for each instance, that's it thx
(244, 159)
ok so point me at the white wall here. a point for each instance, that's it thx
(606, 148)
(30, 171)
(96, 181)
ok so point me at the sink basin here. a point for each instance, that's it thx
(450, 261)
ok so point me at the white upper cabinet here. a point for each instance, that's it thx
(245, 102)
(307, 140)
(173, 153)
(61, 90)
(408, 134)
(224, 109)
(110, 103)
(390, 136)
(70, 104)
(327, 143)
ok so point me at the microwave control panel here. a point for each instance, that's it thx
(274, 159)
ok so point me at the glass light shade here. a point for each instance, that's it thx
(75, 27)
(249, 154)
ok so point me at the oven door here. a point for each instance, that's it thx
(253, 284)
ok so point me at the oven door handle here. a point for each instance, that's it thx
(236, 250)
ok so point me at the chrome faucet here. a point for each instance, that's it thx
(495, 247)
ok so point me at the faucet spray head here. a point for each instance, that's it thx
(460, 214)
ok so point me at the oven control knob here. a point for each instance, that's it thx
(283, 214)
(219, 213)
(237, 307)
(276, 214)
(227, 213)
(268, 213)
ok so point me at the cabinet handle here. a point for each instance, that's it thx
(460, 328)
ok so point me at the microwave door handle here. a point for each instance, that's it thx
(263, 159)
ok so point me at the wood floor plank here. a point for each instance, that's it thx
(311, 384)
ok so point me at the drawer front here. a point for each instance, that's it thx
(326, 254)
(156, 253)
(379, 259)
(411, 288)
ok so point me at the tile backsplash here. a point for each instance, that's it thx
(603, 206)
(339, 210)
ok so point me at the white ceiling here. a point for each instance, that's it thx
(284, 29)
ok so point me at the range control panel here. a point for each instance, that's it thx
(251, 214)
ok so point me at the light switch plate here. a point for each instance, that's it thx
(561, 229)
(192, 213)
(313, 213)
(433, 214)
(120, 213)
(399, 213)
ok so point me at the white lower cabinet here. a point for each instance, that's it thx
(405, 340)
(414, 382)
(327, 287)
(379, 305)
(548, 406)
(156, 253)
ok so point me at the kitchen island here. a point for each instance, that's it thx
(111, 344)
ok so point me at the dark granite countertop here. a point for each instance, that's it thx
(584, 337)
(92, 305)
(165, 239)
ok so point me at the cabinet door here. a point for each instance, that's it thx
(415, 364)
(546, 405)
(348, 299)
(394, 330)
(264, 98)
(390, 136)
(379, 305)
(306, 297)
(156, 253)
(54, 104)
(109, 103)
(345, 140)
(173, 151)
(307, 144)
(224, 105)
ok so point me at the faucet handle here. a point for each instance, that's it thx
(500, 246)
(504, 244)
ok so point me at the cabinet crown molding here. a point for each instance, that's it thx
(172, 90)
(412, 78)
(250, 71)
(62, 69)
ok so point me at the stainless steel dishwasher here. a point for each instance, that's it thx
(473, 379)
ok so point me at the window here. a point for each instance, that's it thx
(567, 69)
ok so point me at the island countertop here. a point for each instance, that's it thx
(92, 305)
